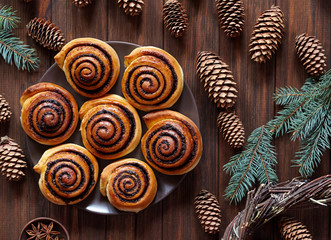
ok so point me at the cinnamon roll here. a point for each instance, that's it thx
(172, 145)
(91, 66)
(153, 79)
(68, 174)
(129, 184)
(49, 113)
(110, 127)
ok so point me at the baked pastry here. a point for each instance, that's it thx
(153, 79)
(49, 113)
(91, 66)
(129, 184)
(68, 173)
(172, 145)
(110, 127)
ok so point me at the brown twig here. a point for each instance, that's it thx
(268, 201)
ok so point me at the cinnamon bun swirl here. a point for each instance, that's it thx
(68, 174)
(110, 127)
(129, 184)
(173, 144)
(49, 113)
(153, 79)
(91, 66)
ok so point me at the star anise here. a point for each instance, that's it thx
(48, 230)
(36, 233)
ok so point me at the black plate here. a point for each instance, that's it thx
(95, 202)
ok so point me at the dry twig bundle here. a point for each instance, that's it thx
(268, 201)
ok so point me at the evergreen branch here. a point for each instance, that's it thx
(309, 155)
(8, 18)
(307, 115)
(12, 50)
(308, 120)
(288, 95)
(255, 162)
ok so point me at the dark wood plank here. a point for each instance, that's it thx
(179, 220)
(174, 217)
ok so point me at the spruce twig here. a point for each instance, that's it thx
(306, 114)
(257, 161)
(14, 50)
(8, 18)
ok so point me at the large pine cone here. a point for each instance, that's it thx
(5, 113)
(217, 78)
(131, 7)
(311, 53)
(82, 3)
(291, 229)
(231, 16)
(12, 159)
(208, 210)
(232, 129)
(46, 34)
(175, 18)
(267, 34)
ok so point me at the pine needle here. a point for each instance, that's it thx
(13, 50)
(8, 18)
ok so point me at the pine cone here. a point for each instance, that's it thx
(217, 78)
(291, 229)
(208, 210)
(231, 16)
(46, 34)
(131, 7)
(5, 113)
(12, 159)
(311, 53)
(232, 129)
(267, 34)
(175, 18)
(82, 3)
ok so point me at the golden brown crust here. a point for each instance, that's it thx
(49, 113)
(91, 66)
(173, 144)
(129, 184)
(110, 127)
(68, 174)
(153, 79)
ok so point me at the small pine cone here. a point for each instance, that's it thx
(5, 113)
(82, 3)
(267, 34)
(131, 7)
(311, 53)
(217, 79)
(291, 229)
(175, 18)
(46, 34)
(208, 210)
(231, 16)
(12, 159)
(232, 129)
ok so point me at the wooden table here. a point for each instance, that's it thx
(174, 217)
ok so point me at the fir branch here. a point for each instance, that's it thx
(255, 162)
(310, 152)
(8, 18)
(306, 114)
(13, 50)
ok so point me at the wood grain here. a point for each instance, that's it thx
(174, 217)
